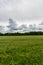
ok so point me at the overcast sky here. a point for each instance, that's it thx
(21, 11)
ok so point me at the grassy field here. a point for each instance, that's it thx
(21, 50)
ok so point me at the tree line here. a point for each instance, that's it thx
(20, 34)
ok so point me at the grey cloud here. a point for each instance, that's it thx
(35, 27)
(2, 29)
(12, 25)
(41, 23)
(22, 28)
(32, 27)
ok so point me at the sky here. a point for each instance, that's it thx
(21, 11)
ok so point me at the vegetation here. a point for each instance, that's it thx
(26, 33)
(21, 50)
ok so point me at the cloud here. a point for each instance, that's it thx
(22, 28)
(41, 23)
(2, 29)
(12, 26)
(32, 27)
(21, 10)
(35, 27)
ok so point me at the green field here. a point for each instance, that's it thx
(21, 50)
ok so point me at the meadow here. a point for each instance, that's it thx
(21, 50)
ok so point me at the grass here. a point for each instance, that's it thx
(21, 50)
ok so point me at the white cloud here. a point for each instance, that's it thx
(23, 11)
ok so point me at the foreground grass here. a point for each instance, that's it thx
(21, 50)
